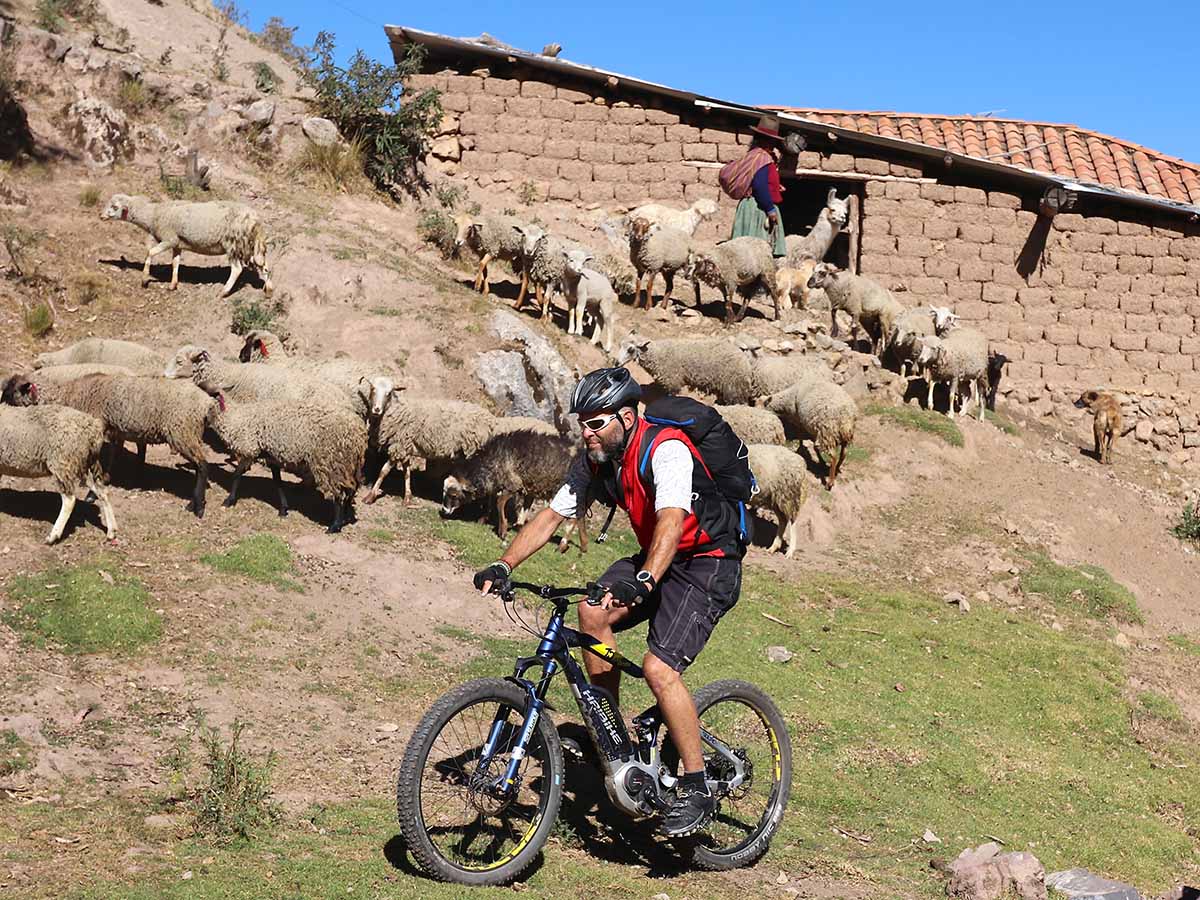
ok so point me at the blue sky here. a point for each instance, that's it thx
(1126, 69)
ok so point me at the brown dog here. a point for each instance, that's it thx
(1107, 422)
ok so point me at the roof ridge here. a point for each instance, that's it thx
(1062, 126)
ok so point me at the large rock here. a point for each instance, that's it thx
(100, 131)
(984, 873)
(446, 148)
(320, 131)
(548, 376)
(503, 375)
(1080, 884)
(260, 112)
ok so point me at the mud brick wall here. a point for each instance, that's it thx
(1109, 302)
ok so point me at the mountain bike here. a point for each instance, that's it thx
(482, 777)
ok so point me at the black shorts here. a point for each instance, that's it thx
(685, 607)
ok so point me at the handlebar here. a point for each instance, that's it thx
(507, 590)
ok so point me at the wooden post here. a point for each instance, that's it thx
(853, 230)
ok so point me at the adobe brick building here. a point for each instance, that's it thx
(1078, 254)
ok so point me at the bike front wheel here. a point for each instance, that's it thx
(747, 721)
(455, 822)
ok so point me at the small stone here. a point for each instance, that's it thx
(900, 688)
(1122, 640)
(930, 838)
(388, 727)
(1056, 626)
(260, 112)
(661, 897)
(187, 876)
(1144, 430)
(1080, 884)
(781, 878)
(778, 654)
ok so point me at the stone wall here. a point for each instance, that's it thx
(1108, 299)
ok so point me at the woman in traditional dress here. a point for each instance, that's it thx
(753, 180)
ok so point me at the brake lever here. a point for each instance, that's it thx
(595, 593)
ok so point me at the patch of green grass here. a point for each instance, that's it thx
(132, 96)
(385, 311)
(856, 453)
(264, 558)
(916, 419)
(1004, 423)
(237, 802)
(1188, 526)
(89, 196)
(381, 536)
(91, 607)
(1086, 589)
(437, 227)
(259, 314)
(1160, 707)
(15, 755)
(39, 318)
(1184, 643)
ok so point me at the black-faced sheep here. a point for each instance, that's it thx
(56, 442)
(213, 228)
(519, 464)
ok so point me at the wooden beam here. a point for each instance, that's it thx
(853, 232)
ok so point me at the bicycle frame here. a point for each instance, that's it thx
(617, 752)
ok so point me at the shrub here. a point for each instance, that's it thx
(49, 15)
(280, 37)
(265, 79)
(88, 288)
(238, 801)
(527, 193)
(437, 228)
(339, 167)
(17, 241)
(230, 12)
(449, 195)
(259, 313)
(164, 58)
(368, 102)
(132, 96)
(89, 197)
(1188, 526)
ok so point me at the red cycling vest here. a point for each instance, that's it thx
(707, 528)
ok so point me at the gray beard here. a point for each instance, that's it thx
(598, 456)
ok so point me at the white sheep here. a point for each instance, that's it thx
(543, 260)
(492, 237)
(504, 424)
(212, 228)
(655, 248)
(62, 444)
(783, 482)
(741, 265)
(772, 374)
(686, 220)
(873, 305)
(589, 292)
(824, 412)
(960, 358)
(412, 432)
(709, 366)
(753, 425)
(903, 343)
(106, 351)
(814, 245)
(144, 409)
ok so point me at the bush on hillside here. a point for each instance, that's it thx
(368, 102)
(437, 228)
(1188, 526)
(279, 37)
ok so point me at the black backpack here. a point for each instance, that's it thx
(724, 455)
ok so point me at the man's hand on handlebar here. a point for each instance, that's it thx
(493, 576)
(626, 592)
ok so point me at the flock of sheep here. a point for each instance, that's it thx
(323, 420)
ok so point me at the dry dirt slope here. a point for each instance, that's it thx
(323, 674)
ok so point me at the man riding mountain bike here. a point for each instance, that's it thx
(686, 577)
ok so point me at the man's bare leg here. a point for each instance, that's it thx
(599, 624)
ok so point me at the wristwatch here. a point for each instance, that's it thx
(646, 580)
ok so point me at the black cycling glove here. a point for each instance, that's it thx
(631, 592)
(496, 573)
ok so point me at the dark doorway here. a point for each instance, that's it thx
(803, 199)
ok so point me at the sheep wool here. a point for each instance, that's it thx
(324, 442)
(753, 425)
(783, 482)
(491, 237)
(824, 412)
(211, 228)
(712, 366)
(741, 265)
(655, 248)
(62, 444)
(686, 220)
(772, 374)
(413, 431)
(106, 351)
(961, 359)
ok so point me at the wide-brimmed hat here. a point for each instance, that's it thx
(768, 126)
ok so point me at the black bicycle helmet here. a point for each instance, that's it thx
(604, 390)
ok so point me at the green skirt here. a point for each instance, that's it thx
(750, 221)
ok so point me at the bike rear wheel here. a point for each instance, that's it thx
(455, 827)
(748, 721)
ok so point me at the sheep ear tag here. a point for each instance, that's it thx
(124, 214)
(262, 348)
(221, 402)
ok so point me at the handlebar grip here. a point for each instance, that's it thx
(595, 593)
